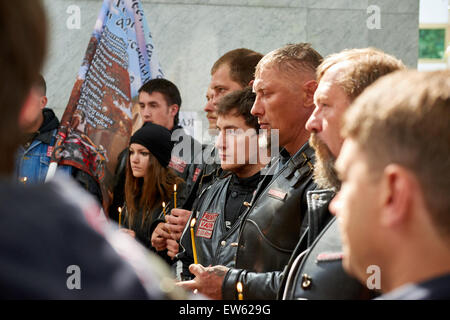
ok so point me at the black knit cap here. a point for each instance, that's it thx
(157, 140)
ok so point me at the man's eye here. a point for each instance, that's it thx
(232, 131)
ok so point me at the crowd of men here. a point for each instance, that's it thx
(329, 179)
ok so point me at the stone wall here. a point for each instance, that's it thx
(190, 35)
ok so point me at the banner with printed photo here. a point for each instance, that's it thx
(97, 123)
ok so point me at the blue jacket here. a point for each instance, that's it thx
(33, 158)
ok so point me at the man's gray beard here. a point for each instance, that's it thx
(325, 175)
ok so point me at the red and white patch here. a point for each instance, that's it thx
(206, 225)
(329, 256)
(196, 173)
(177, 164)
(49, 151)
(277, 194)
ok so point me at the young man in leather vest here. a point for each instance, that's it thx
(231, 72)
(221, 205)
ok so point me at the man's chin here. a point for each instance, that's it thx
(229, 166)
(324, 171)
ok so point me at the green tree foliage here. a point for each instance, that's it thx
(431, 43)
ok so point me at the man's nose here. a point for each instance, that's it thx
(257, 109)
(209, 107)
(314, 123)
(146, 114)
(220, 143)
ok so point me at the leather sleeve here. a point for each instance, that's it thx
(257, 286)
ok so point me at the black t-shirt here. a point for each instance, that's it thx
(239, 191)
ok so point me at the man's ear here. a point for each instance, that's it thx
(43, 102)
(309, 88)
(174, 109)
(250, 84)
(397, 195)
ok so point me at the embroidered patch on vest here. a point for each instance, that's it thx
(196, 173)
(329, 256)
(206, 225)
(277, 194)
(177, 164)
(49, 151)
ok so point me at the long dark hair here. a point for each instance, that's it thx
(147, 193)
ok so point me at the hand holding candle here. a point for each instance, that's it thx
(194, 250)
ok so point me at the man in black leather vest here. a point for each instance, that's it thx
(273, 222)
(317, 273)
(221, 205)
(231, 72)
(393, 207)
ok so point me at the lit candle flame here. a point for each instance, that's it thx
(239, 289)
(194, 250)
(174, 195)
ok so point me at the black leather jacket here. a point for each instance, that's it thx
(203, 175)
(268, 285)
(273, 224)
(221, 203)
(319, 275)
